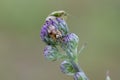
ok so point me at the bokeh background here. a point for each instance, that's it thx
(96, 22)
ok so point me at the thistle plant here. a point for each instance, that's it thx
(55, 33)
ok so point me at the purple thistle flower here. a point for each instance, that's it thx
(72, 39)
(67, 68)
(80, 76)
(70, 43)
(53, 29)
(51, 53)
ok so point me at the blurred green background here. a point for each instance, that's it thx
(97, 22)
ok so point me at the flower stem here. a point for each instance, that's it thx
(76, 65)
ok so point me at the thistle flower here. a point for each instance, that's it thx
(51, 53)
(53, 30)
(67, 68)
(55, 33)
(80, 76)
(70, 43)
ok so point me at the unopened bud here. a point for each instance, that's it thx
(67, 68)
(70, 43)
(51, 53)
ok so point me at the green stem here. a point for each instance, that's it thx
(74, 63)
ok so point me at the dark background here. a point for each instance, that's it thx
(96, 22)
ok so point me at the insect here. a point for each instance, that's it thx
(59, 14)
(54, 33)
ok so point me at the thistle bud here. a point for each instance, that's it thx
(80, 76)
(51, 53)
(53, 29)
(70, 43)
(67, 68)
